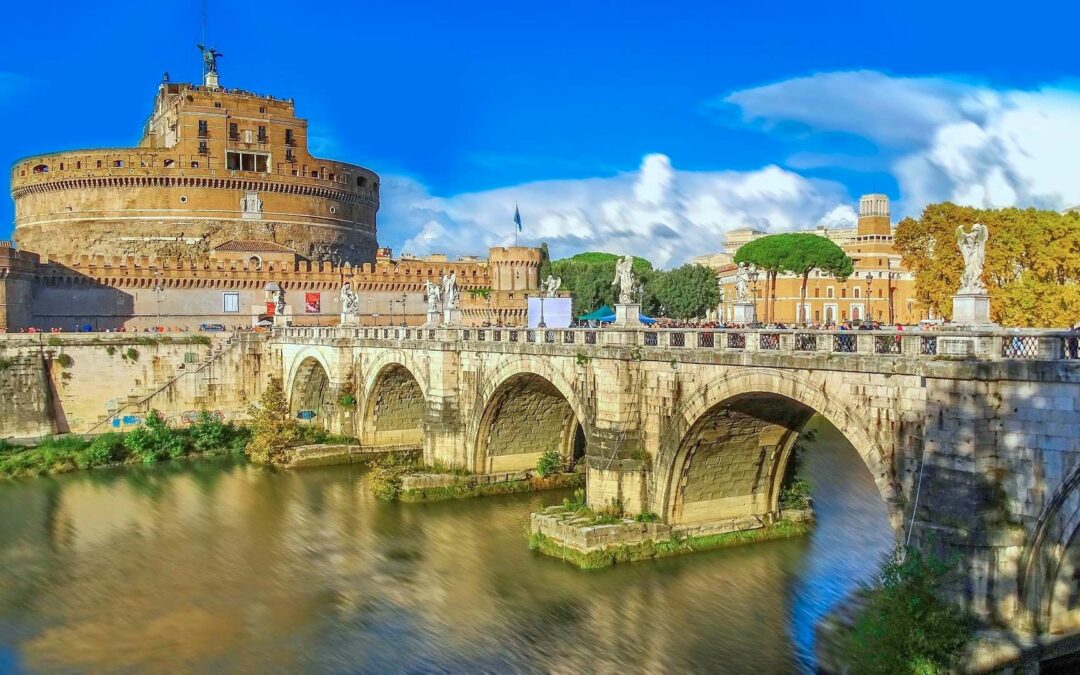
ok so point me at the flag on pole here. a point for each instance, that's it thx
(517, 217)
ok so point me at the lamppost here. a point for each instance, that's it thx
(404, 319)
(869, 280)
(753, 276)
(159, 292)
(389, 312)
(542, 323)
(893, 276)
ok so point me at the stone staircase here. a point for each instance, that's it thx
(141, 401)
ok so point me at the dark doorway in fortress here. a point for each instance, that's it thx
(578, 449)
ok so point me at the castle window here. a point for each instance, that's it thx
(203, 149)
(231, 301)
(217, 104)
(333, 209)
(194, 164)
(361, 181)
(41, 168)
(169, 162)
(262, 108)
(99, 164)
(183, 199)
(375, 187)
(262, 134)
(255, 261)
(118, 163)
(234, 133)
(314, 174)
(856, 291)
(289, 140)
(289, 157)
(246, 161)
(61, 166)
(331, 175)
(204, 130)
(78, 165)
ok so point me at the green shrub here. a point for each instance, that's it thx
(208, 433)
(647, 517)
(907, 626)
(131, 354)
(795, 495)
(139, 443)
(54, 341)
(110, 350)
(575, 501)
(550, 463)
(102, 450)
(65, 360)
(6, 363)
(386, 476)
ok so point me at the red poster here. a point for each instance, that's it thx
(270, 309)
(311, 303)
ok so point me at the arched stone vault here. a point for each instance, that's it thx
(523, 408)
(759, 434)
(1047, 573)
(394, 408)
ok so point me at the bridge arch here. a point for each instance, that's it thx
(394, 405)
(1050, 564)
(525, 408)
(311, 390)
(724, 453)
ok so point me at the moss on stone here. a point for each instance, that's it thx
(467, 489)
(648, 550)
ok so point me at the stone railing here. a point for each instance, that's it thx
(1032, 345)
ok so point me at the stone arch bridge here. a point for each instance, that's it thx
(973, 439)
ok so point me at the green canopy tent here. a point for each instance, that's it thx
(598, 315)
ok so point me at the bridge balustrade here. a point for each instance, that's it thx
(987, 345)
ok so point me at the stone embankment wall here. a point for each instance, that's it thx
(85, 383)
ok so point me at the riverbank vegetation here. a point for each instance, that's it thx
(155, 440)
(906, 625)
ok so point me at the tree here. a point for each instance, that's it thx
(273, 430)
(1032, 262)
(588, 277)
(807, 252)
(767, 255)
(687, 292)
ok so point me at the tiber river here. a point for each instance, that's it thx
(213, 567)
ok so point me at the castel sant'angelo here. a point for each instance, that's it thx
(219, 201)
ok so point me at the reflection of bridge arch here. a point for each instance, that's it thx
(394, 406)
(1050, 563)
(725, 451)
(524, 409)
(311, 390)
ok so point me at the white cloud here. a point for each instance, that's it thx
(658, 212)
(945, 140)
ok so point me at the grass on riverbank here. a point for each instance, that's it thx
(152, 442)
(466, 488)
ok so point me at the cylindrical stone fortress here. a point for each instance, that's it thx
(213, 165)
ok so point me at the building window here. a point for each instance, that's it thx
(361, 181)
(203, 149)
(262, 108)
(331, 177)
(234, 133)
(78, 165)
(817, 292)
(879, 293)
(829, 292)
(119, 163)
(99, 164)
(194, 164)
(41, 168)
(843, 292)
(230, 302)
(61, 166)
(290, 157)
(289, 140)
(217, 104)
(204, 130)
(255, 261)
(262, 134)
(183, 199)
(333, 209)
(169, 162)
(856, 292)
(247, 161)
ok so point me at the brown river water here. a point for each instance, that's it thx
(226, 567)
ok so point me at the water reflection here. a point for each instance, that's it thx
(214, 566)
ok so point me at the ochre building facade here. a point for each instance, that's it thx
(880, 290)
(213, 165)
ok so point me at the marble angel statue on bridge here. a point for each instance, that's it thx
(973, 248)
(450, 291)
(624, 279)
(350, 301)
(434, 293)
(552, 285)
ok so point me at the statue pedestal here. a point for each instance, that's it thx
(350, 319)
(432, 317)
(452, 317)
(627, 315)
(971, 310)
(745, 313)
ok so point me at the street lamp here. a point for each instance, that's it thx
(159, 292)
(753, 276)
(390, 313)
(893, 276)
(404, 320)
(869, 280)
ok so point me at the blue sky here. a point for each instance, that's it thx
(626, 126)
